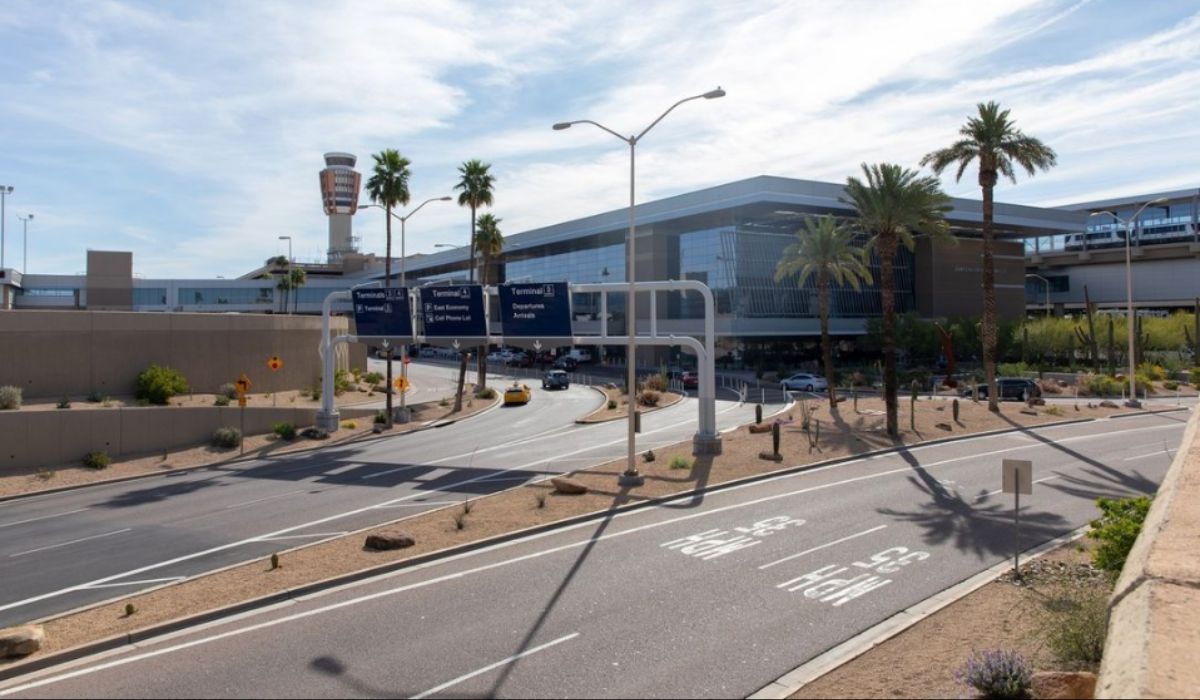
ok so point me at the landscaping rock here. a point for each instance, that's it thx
(569, 487)
(760, 428)
(1029, 411)
(1054, 684)
(1108, 404)
(945, 426)
(383, 541)
(315, 434)
(1037, 401)
(21, 641)
(771, 457)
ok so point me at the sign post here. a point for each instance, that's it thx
(243, 386)
(1017, 478)
(275, 364)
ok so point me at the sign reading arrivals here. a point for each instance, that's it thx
(537, 310)
(382, 313)
(453, 312)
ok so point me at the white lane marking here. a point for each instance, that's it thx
(140, 582)
(492, 667)
(64, 544)
(479, 569)
(814, 549)
(418, 504)
(301, 537)
(267, 498)
(1151, 454)
(43, 517)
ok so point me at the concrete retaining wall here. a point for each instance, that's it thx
(50, 354)
(1154, 615)
(37, 439)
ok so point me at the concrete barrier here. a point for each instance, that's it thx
(1154, 613)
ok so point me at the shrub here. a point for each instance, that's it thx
(1101, 385)
(342, 382)
(10, 398)
(350, 425)
(373, 378)
(357, 373)
(1170, 385)
(227, 437)
(1116, 529)
(657, 382)
(612, 405)
(649, 456)
(997, 674)
(64, 403)
(444, 402)
(227, 390)
(679, 462)
(94, 397)
(1073, 624)
(1155, 372)
(1053, 410)
(1049, 386)
(315, 393)
(97, 460)
(158, 384)
(1011, 369)
(285, 430)
(1144, 384)
(649, 397)
(221, 400)
(488, 393)
(380, 418)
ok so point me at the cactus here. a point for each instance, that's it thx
(854, 394)
(912, 406)
(1071, 352)
(954, 407)
(775, 438)
(1088, 340)
(757, 413)
(1025, 344)
(805, 414)
(274, 562)
(814, 435)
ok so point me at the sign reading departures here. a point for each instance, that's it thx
(537, 310)
(453, 312)
(382, 313)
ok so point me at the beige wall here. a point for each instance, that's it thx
(55, 353)
(950, 278)
(109, 280)
(37, 439)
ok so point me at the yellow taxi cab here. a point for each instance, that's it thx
(517, 395)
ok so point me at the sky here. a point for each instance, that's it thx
(191, 133)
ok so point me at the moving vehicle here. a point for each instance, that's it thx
(517, 395)
(1015, 388)
(556, 379)
(566, 362)
(690, 380)
(580, 355)
(803, 382)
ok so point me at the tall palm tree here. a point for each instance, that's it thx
(993, 139)
(284, 285)
(274, 263)
(298, 277)
(388, 186)
(826, 248)
(489, 242)
(893, 205)
(476, 183)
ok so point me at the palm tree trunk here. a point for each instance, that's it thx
(989, 303)
(826, 346)
(887, 289)
(462, 378)
(482, 359)
(387, 284)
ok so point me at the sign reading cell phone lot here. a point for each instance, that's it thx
(453, 312)
(539, 310)
(382, 313)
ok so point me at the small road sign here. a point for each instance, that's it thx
(1017, 478)
(275, 363)
(402, 384)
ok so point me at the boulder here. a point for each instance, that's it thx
(568, 487)
(21, 641)
(1054, 684)
(770, 456)
(383, 541)
(1108, 404)
(1037, 401)
(1029, 411)
(945, 426)
(314, 434)
(760, 428)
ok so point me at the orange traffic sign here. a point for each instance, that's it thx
(402, 384)
(243, 384)
(275, 363)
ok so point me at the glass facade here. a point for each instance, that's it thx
(205, 296)
(149, 296)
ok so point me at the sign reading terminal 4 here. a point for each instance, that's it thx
(382, 313)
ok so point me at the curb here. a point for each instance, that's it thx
(866, 640)
(235, 460)
(613, 419)
(138, 635)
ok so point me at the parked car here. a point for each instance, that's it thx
(517, 395)
(566, 362)
(1015, 388)
(690, 380)
(803, 382)
(556, 379)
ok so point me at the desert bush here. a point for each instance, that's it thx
(315, 393)
(228, 390)
(679, 462)
(357, 373)
(612, 405)
(285, 430)
(1116, 529)
(221, 400)
(157, 384)
(342, 382)
(1170, 385)
(349, 425)
(65, 402)
(656, 382)
(1052, 410)
(1012, 369)
(380, 418)
(649, 456)
(373, 378)
(488, 393)
(10, 398)
(1152, 371)
(1100, 385)
(97, 460)
(1073, 623)
(997, 674)
(227, 437)
(649, 397)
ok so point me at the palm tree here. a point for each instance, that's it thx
(826, 248)
(273, 264)
(388, 186)
(476, 184)
(298, 277)
(997, 143)
(893, 205)
(489, 242)
(284, 285)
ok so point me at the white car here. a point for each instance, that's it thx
(803, 382)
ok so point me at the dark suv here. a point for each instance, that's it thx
(1015, 388)
(556, 379)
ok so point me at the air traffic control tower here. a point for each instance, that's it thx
(340, 184)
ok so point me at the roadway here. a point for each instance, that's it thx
(60, 551)
(711, 596)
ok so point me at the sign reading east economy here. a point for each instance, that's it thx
(382, 313)
(453, 312)
(536, 310)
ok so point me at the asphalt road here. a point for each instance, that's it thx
(713, 596)
(61, 551)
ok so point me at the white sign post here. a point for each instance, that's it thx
(1017, 479)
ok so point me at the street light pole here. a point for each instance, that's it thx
(25, 242)
(5, 190)
(1130, 328)
(1047, 282)
(631, 477)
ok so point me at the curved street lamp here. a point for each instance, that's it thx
(25, 242)
(631, 477)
